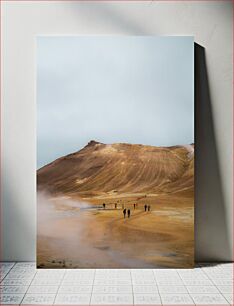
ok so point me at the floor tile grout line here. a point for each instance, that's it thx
(222, 271)
(215, 286)
(222, 294)
(92, 287)
(14, 263)
(133, 300)
(157, 287)
(218, 287)
(28, 287)
(65, 272)
(184, 284)
(186, 287)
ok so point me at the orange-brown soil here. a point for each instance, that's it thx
(74, 230)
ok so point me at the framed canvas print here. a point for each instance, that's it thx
(115, 152)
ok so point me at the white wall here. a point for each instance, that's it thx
(211, 24)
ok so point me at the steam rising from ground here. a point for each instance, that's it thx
(62, 224)
(50, 208)
(47, 206)
(66, 238)
(45, 210)
(75, 234)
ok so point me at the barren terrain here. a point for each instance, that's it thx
(76, 230)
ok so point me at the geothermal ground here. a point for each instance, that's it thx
(76, 231)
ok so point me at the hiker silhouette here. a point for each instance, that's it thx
(129, 213)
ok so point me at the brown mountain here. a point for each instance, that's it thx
(120, 168)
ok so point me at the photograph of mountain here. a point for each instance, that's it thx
(115, 152)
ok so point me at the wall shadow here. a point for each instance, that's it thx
(212, 241)
(211, 232)
(108, 14)
(18, 226)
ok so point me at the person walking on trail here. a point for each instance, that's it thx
(104, 205)
(148, 207)
(145, 207)
(115, 205)
(134, 205)
(129, 213)
(124, 212)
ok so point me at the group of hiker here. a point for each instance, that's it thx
(147, 207)
(128, 211)
(124, 213)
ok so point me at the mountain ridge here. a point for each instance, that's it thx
(100, 168)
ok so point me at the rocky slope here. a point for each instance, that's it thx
(119, 168)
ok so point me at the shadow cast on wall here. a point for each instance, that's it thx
(18, 226)
(211, 232)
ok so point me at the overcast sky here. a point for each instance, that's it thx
(134, 89)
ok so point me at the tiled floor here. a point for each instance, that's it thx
(208, 284)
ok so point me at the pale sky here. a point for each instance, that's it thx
(133, 89)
